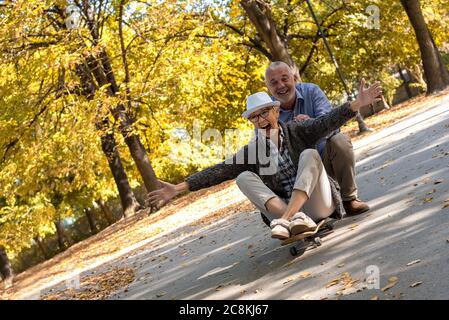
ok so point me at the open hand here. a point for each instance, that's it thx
(367, 96)
(162, 196)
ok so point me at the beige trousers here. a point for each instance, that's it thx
(310, 178)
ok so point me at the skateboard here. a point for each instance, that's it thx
(324, 227)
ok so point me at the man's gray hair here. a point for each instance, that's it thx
(277, 64)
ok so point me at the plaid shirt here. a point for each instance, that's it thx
(286, 169)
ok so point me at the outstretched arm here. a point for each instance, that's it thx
(314, 129)
(206, 178)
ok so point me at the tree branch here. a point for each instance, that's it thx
(123, 52)
(254, 43)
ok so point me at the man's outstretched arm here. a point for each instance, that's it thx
(314, 129)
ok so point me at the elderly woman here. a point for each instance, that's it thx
(280, 171)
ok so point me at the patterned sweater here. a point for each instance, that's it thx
(253, 157)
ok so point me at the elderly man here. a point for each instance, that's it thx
(304, 101)
(280, 171)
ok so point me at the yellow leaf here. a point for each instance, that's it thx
(332, 283)
(304, 275)
(391, 283)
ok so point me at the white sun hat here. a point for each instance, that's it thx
(258, 101)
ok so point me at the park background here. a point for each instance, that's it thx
(90, 92)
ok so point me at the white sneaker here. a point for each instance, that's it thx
(280, 229)
(301, 223)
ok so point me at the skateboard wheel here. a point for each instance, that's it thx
(317, 241)
(293, 251)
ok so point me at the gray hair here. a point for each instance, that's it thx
(277, 64)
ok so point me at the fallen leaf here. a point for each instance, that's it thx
(374, 297)
(288, 280)
(161, 294)
(391, 283)
(427, 199)
(305, 275)
(332, 283)
(445, 206)
(432, 191)
(341, 265)
(415, 284)
(438, 181)
(413, 262)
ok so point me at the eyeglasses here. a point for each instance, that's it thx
(264, 114)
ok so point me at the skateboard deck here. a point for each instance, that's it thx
(309, 236)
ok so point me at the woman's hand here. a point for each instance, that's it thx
(162, 196)
(366, 96)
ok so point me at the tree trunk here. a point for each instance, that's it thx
(437, 76)
(91, 219)
(61, 236)
(41, 246)
(259, 13)
(101, 68)
(103, 73)
(106, 211)
(6, 271)
(127, 197)
(108, 145)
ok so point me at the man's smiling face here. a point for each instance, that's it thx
(281, 83)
